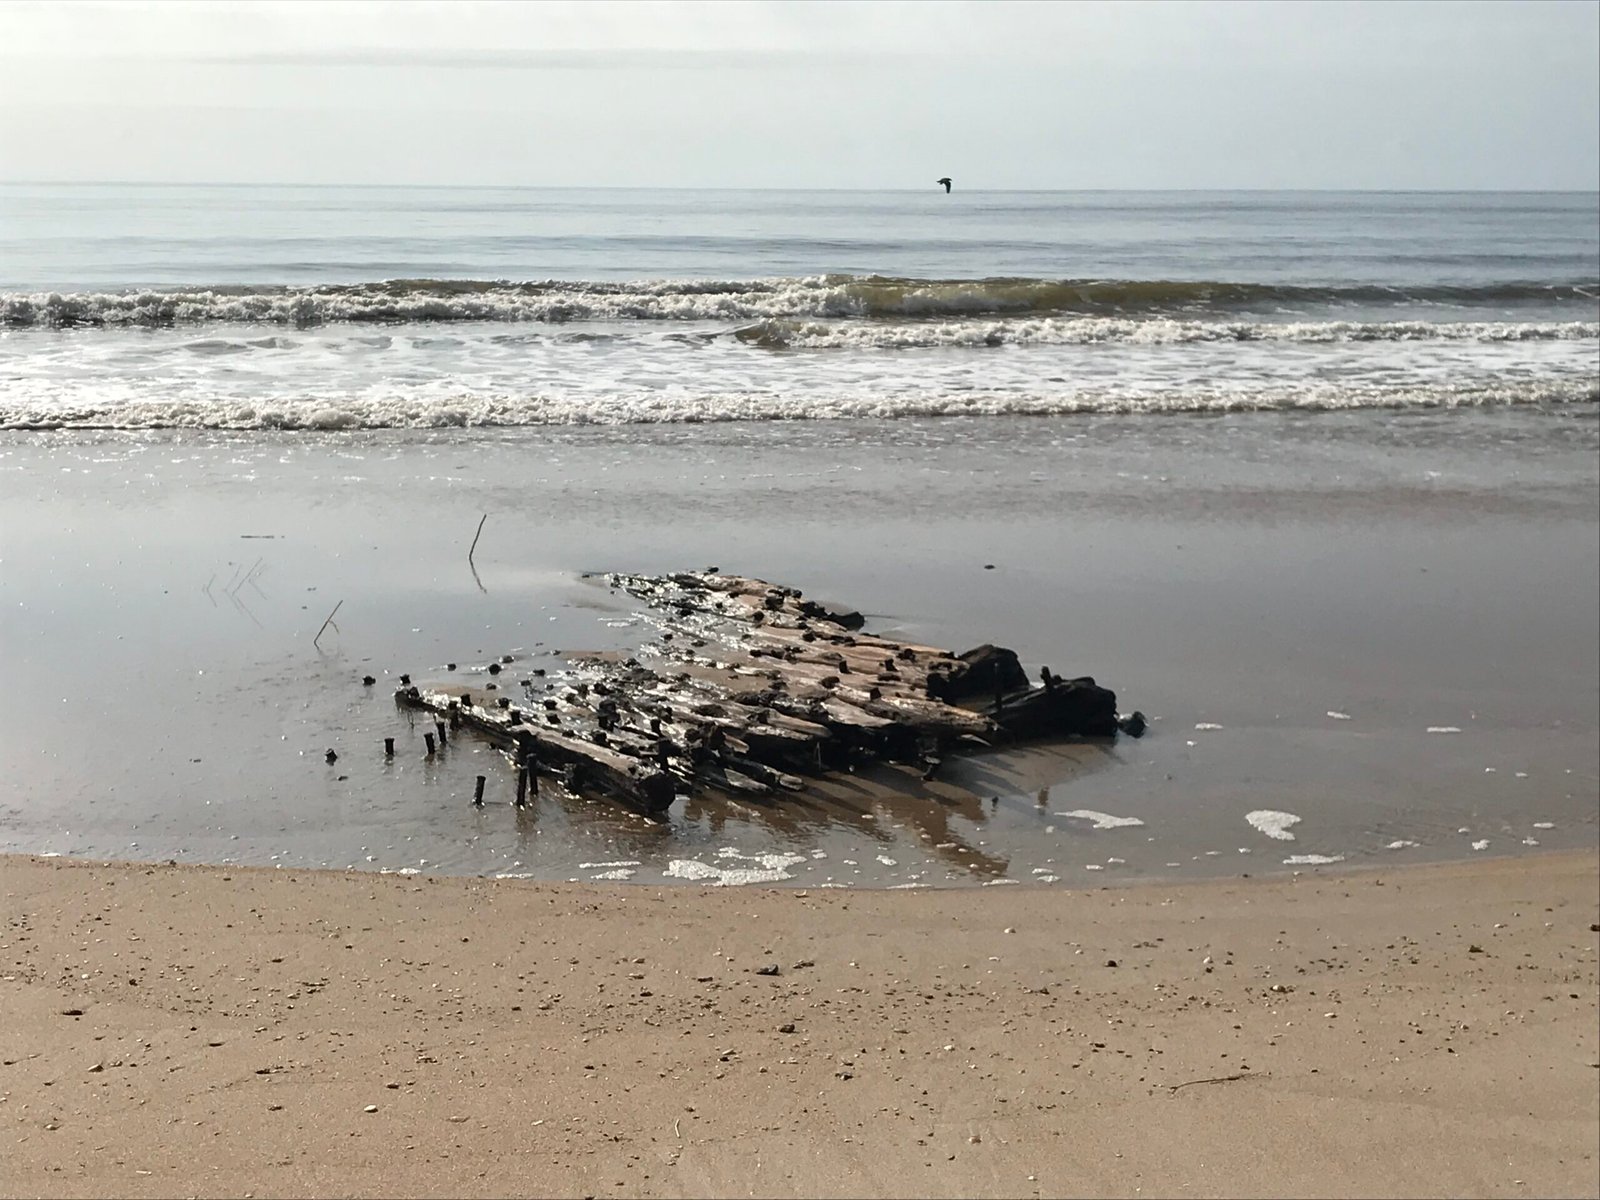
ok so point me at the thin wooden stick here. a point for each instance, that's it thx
(325, 625)
(1213, 1079)
(477, 535)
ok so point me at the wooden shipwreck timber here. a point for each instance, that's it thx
(747, 688)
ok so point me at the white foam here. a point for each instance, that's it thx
(605, 866)
(886, 860)
(1273, 823)
(1444, 729)
(1208, 725)
(997, 882)
(1312, 860)
(1074, 331)
(1100, 820)
(1544, 824)
(1400, 844)
(768, 868)
(1338, 716)
(451, 401)
(1481, 844)
(620, 873)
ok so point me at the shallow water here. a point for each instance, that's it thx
(1295, 601)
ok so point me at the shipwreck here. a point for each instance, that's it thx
(747, 688)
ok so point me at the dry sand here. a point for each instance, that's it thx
(214, 1031)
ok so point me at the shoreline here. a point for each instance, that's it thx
(1275, 872)
(535, 1038)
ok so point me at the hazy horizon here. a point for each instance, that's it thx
(907, 188)
(1207, 96)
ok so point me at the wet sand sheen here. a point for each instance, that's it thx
(1295, 603)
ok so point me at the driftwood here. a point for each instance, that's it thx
(746, 687)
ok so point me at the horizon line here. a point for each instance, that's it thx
(625, 187)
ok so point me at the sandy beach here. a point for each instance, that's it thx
(177, 1030)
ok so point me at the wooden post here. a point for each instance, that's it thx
(428, 737)
(438, 727)
(477, 790)
(522, 784)
(388, 747)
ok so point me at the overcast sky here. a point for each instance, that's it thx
(840, 95)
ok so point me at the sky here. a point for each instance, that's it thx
(1354, 94)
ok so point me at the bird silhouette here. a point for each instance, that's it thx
(946, 182)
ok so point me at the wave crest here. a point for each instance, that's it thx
(823, 296)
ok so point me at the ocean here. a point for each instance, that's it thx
(350, 308)
(1311, 479)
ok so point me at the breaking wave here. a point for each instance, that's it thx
(671, 407)
(784, 334)
(820, 296)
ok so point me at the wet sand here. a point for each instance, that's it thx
(230, 1031)
(1294, 601)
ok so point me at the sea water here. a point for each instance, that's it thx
(347, 308)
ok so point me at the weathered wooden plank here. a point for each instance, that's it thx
(746, 683)
(600, 768)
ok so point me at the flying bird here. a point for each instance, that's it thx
(946, 182)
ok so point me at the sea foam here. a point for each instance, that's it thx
(1272, 823)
